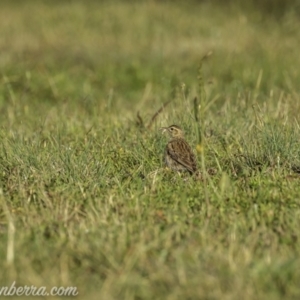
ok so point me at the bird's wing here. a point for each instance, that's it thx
(181, 152)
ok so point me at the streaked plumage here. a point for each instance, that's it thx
(178, 153)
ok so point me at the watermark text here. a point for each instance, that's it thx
(31, 290)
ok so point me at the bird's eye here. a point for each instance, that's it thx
(172, 128)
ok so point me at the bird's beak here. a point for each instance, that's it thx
(163, 129)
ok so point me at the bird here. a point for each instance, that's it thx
(178, 154)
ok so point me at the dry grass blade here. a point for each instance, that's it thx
(157, 113)
(139, 121)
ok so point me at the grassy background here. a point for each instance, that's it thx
(85, 198)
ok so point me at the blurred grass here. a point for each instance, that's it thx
(84, 184)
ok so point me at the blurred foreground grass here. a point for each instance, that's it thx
(82, 182)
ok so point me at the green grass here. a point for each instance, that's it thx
(85, 199)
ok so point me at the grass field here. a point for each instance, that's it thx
(85, 199)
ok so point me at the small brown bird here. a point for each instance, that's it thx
(178, 153)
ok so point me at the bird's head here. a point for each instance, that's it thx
(173, 130)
